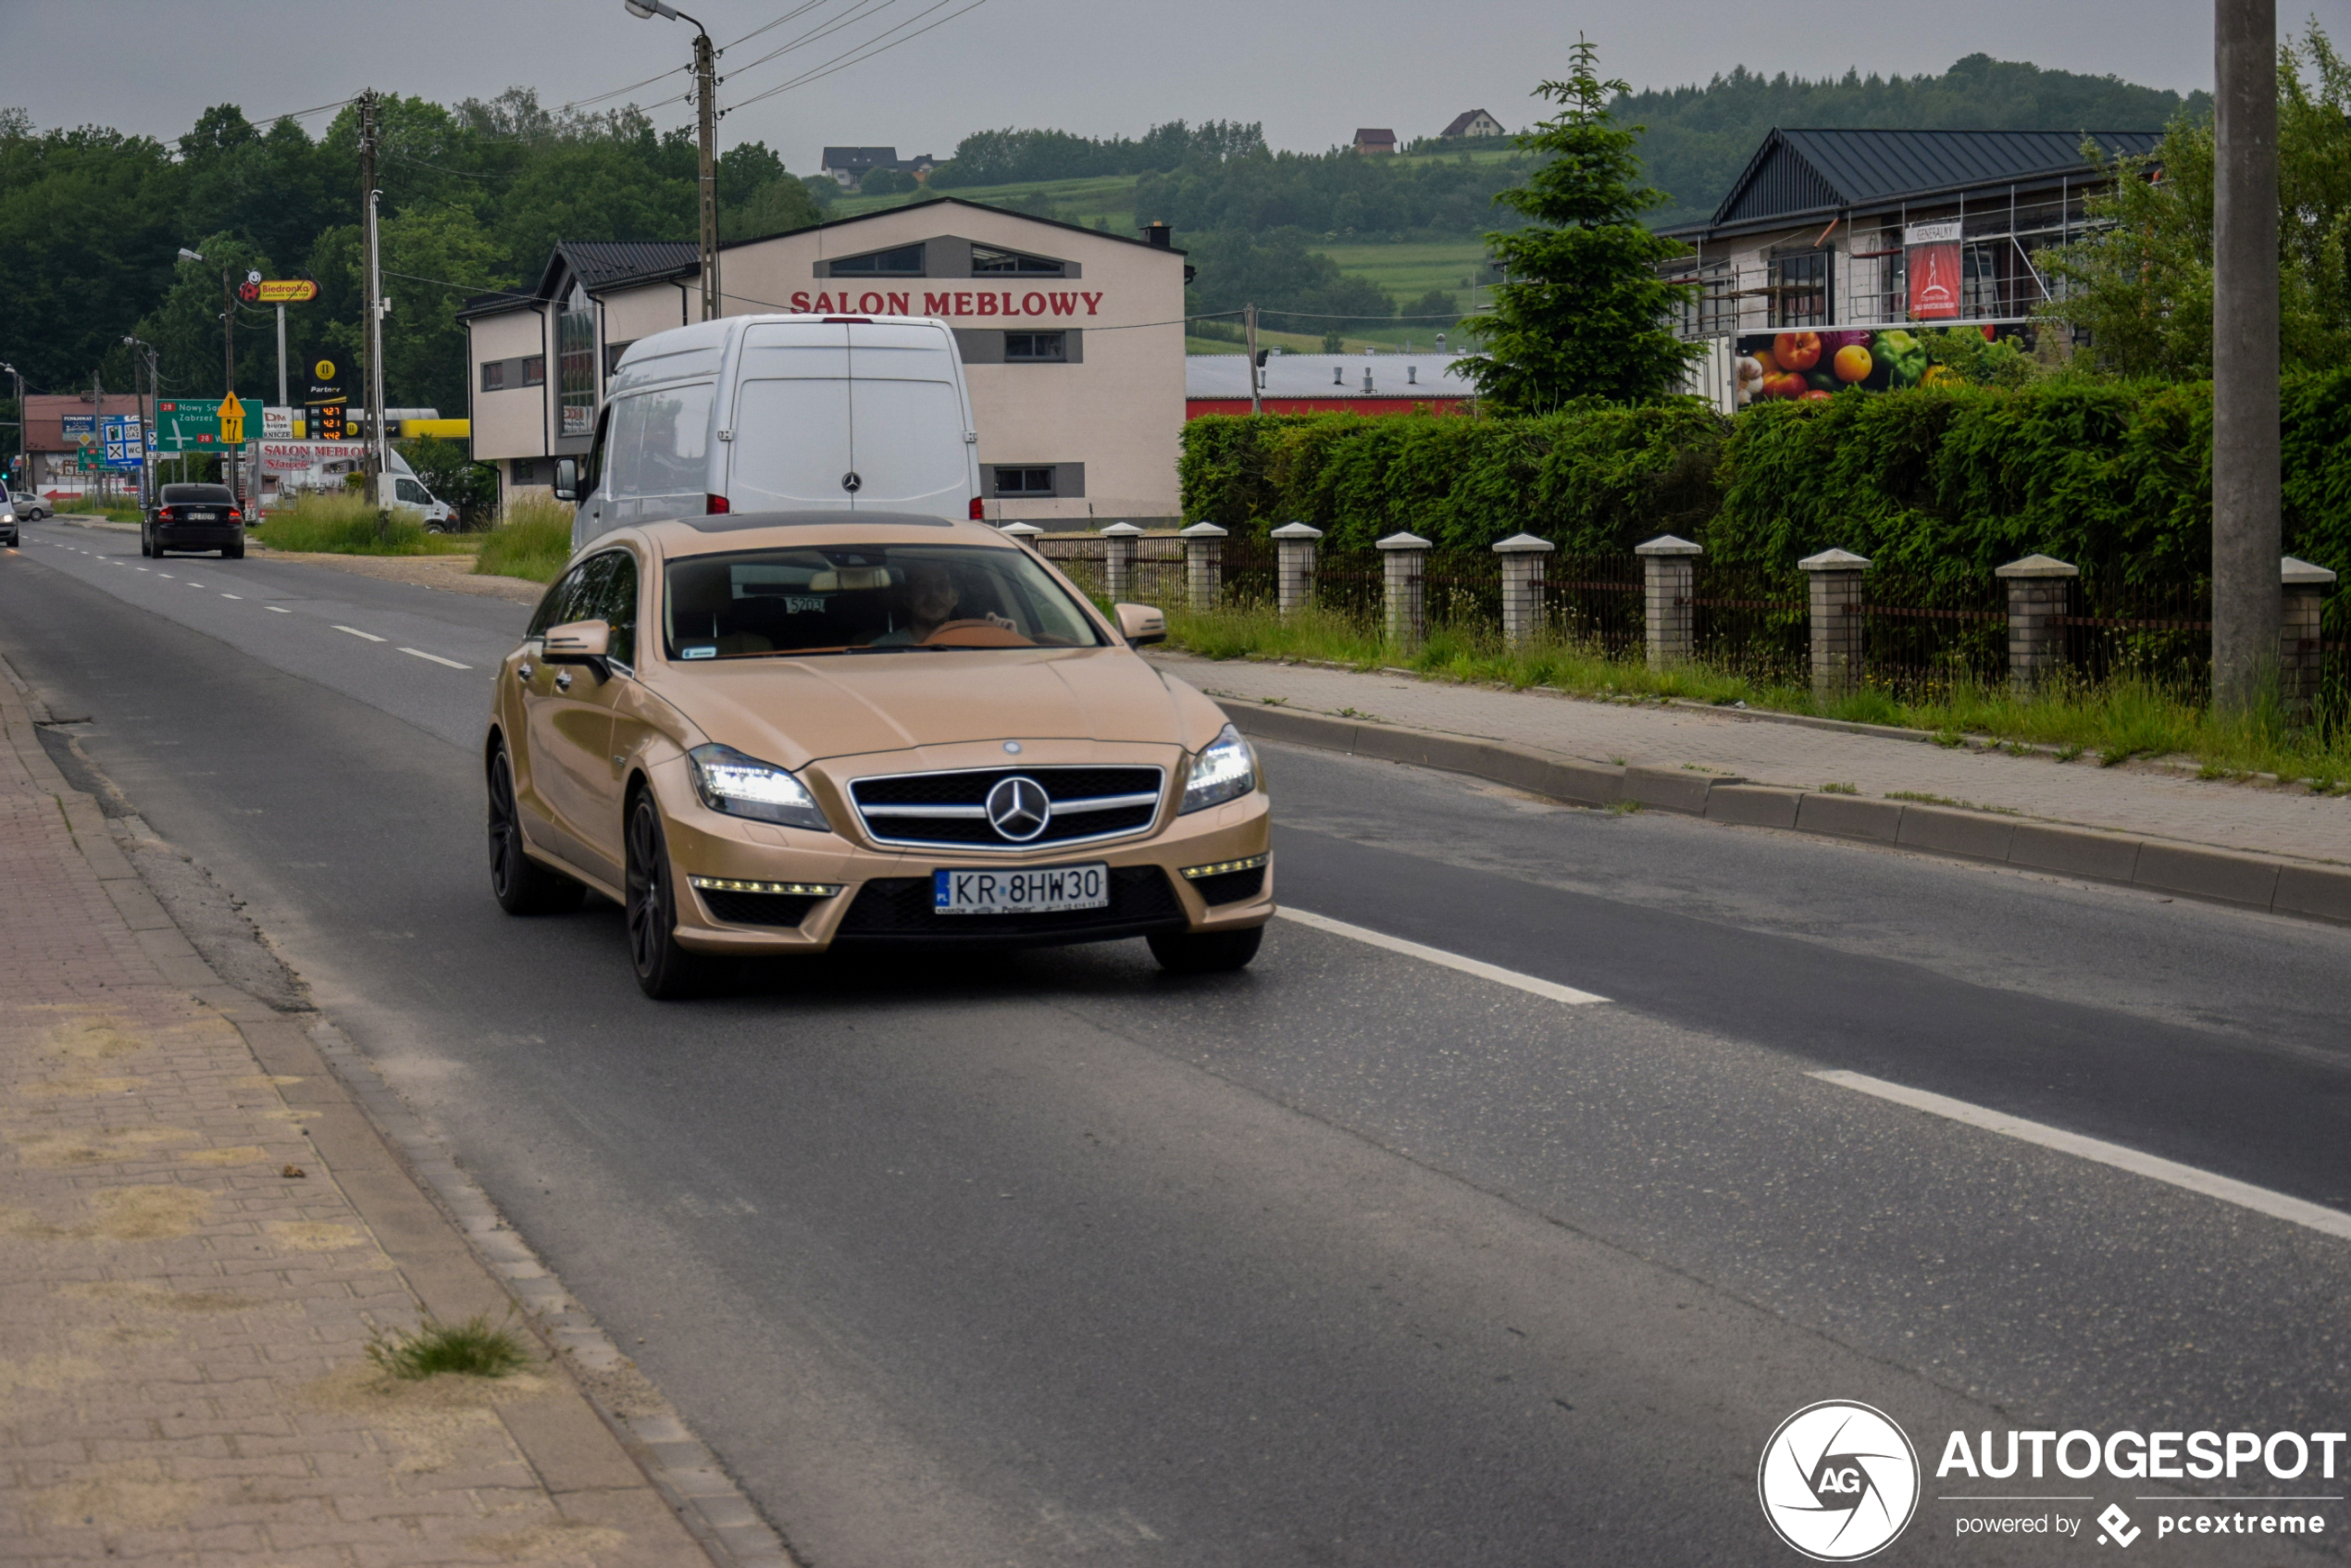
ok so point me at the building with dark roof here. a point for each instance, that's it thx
(1470, 122)
(849, 166)
(1375, 138)
(1853, 228)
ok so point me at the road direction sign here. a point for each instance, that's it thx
(126, 446)
(232, 421)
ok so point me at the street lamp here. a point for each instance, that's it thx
(227, 354)
(706, 111)
(146, 417)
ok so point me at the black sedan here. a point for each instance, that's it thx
(194, 516)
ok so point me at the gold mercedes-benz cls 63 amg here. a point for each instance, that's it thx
(779, 733)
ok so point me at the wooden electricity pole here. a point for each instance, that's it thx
(2247, 487)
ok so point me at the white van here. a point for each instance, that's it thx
(780, 413)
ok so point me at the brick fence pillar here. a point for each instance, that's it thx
(2039, 587)
(1294, 565)
(1524, 559)
(1203, 564)
(1836, 620)
(1118, 560)
(2304, 587)
(1027, 533)
(1669, 581)
(1404, 562)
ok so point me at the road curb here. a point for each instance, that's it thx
(458, 1254)
(2304, 889)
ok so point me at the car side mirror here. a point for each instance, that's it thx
(579, 643)
(1141, 624)
(567, 478)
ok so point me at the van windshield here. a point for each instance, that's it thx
(867, 599)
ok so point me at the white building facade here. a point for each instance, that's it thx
(1073, 342)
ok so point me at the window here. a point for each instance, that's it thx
(525, 471)
(565, 603)
(984, 259)
(493, 374)
(612, 586)
(1033, 348)
(658, 441)
(1800, 289)
(575, 351)
(534, 372)
(409, 493)
(882, 599)
(611, 357)
(904, 262)
(1710, 311)
(1024, 481)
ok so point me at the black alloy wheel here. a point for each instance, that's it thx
(520, 884)
(1205, 953)
(666, 970)
(146, 545)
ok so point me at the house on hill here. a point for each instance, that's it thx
(1376, 139)
(1474, 122)
(849, 166)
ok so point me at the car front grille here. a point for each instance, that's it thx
(949, 809)
(900, 908)
(757, 909)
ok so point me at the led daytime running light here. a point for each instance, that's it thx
(1218, 868)
(735, 884)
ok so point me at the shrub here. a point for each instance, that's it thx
(348, 524)
(534, 540)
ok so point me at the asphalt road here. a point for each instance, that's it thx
(1352, 1258)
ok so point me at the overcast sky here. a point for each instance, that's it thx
(1311, 72)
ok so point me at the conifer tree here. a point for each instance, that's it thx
(1583, 312)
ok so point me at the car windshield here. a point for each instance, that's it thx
(197, 494)
(867, 599)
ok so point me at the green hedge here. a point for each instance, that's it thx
(1935, 483)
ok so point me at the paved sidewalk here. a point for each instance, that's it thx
(188, 1290)
(2127, 800)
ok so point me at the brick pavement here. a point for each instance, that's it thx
(183, 1323)
(2128, 799)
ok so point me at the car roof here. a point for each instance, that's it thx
(753, 531)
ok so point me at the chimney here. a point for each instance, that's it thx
(1367, 378)
(1412, 374)
(1159, 234)
(1339, 375)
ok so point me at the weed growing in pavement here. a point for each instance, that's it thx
(472, 1348)
(533, 541)
(1622, 808)
(344, 524)
(1838, 790)
(2116, 720)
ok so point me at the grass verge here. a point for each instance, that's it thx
(347, 525)
(534, 540)
(471, 1349)
(2116, 721)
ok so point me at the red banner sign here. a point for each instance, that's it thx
(1932, 260)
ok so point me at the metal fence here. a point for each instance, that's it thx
(1749, 623)
(1923, 639)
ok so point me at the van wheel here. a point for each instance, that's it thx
(666, 970)
(520, 884)
(1205, 953)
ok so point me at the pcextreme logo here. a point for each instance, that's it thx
(1840, 1481)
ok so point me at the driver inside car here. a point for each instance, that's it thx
(930, 604)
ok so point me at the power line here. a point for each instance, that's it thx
(777, 22)
(858, 12)
(583, 103)
(305, 114)
(842, 62)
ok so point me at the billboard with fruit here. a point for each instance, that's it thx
(1797, 365)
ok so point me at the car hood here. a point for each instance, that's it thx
(793, 711)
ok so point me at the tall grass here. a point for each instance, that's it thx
(347, 525)
(534, 540)
(2110, 722)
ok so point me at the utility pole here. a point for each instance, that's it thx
(1249, 320)
(2246, 486)
(706, 112)
(376, 463)
(282, 356)
(229, 374)
(99, 427)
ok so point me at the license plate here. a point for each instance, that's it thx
(204, 516)
(1043, 889)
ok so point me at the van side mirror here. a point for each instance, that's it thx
(1141, 624)
(567, 478)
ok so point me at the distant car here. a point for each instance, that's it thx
(30, 507)
(194, 516)
(9, 522)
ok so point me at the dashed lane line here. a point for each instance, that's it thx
(1479, 968)
(357, 632)
(2227, 1189)
(420, 652)
(277, 609)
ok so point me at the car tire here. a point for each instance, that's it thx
(520, 884)
(1205, 953)
(146, 547)
(666, 970)
(232, 552)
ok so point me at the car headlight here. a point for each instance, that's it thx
(743, 786)
(1225, 770)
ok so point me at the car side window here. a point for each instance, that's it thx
(557, 608)
(615, 587)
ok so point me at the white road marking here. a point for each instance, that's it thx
(436, 658)
(232, 596)
(277, 610)
(1478, 967)
(165, 576)
(2227, 1189)
(357, 632)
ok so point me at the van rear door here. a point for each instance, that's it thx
(907, 420)
(791, 419)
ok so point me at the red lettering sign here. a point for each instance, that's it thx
(937, 305)
(901, 304)
(1032, 304)
(962, 304)
(799, 300)
(1092, 301)
(1064, 305)
(987, 305)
